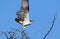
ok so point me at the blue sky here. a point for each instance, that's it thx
(41, 11)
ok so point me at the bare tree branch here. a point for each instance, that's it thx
(4, 34)
(12, 35)
(24, 35)
(51, 27)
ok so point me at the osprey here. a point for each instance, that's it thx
(23, 14)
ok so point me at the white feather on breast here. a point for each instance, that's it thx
(26, 21)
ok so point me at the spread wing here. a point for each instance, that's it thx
(25, 4)
(23, 14)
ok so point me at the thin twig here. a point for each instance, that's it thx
(51, 27)
(4, 34)
(24, 35)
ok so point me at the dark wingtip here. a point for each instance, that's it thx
(16, 20)
(27, 25)
(31, 20)
(28, 8)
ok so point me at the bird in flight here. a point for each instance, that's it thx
(23, 14)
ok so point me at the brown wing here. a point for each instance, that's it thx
(21, 15)
(25, 4)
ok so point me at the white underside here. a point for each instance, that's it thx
(26, 22)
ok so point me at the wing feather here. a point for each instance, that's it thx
(23, 13)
